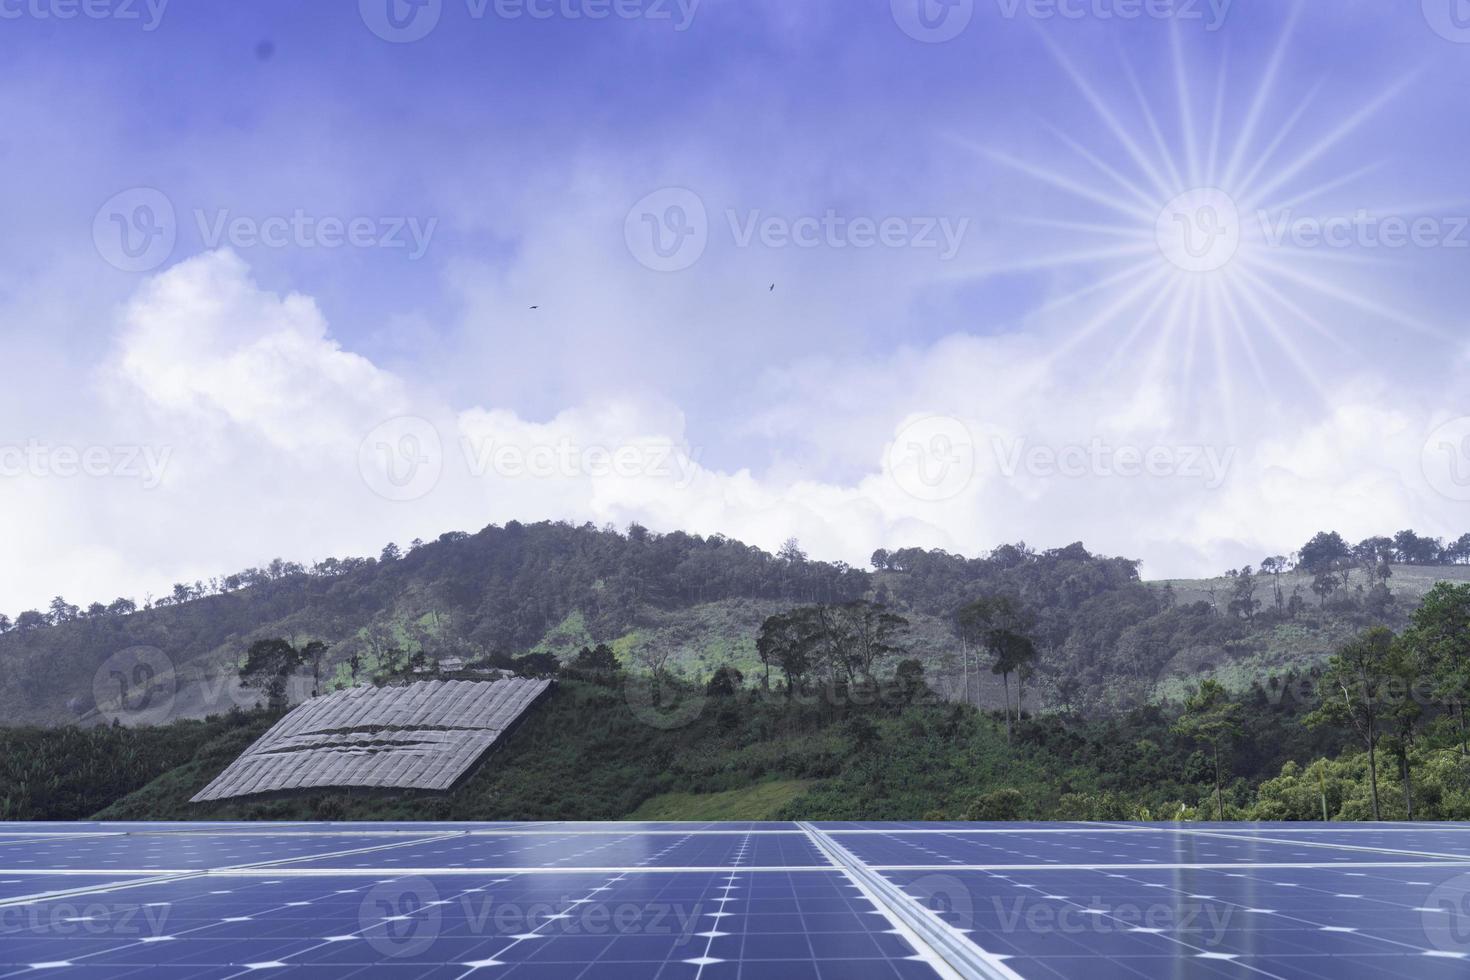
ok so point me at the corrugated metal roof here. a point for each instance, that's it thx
(420, 736)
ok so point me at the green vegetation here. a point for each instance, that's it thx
(701, 676)
(761, 801)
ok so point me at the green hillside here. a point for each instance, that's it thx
(690, 605)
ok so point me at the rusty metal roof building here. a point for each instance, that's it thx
(424, 735)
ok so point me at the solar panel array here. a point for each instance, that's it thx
(424, 735)
(778, 901)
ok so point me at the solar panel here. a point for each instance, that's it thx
(709, 901)
(424, 735)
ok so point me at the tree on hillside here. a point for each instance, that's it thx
(1325, 548)
(1353, 694)
(1402, 714)
(1000, 624)
(1325, 583)
(314, 654)
(63, 611)
(725, 682)
(268, 665)
(598, 660)
(1439, 637)
(1413, 549)
(1210, 717)
(1276, 566)
(785, 642)
(1243, 601)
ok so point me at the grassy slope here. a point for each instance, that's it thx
(1276, 649)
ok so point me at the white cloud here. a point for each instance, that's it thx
(203, 341)
(265, 414)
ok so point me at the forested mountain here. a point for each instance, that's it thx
(1104, 640)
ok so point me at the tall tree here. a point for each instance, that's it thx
(268, 665)
(1439, 638)
(1002, 626)
(1353, 689)
(1212, 718)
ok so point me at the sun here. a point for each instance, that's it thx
(1197, 256)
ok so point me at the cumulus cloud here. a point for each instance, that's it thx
(203, 341)
(962, 444)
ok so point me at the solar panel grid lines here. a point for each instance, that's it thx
(424, 735)
(750, 901)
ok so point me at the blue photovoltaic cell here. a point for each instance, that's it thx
(708, 901)
(582, 850)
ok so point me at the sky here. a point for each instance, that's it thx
(1184, 280)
